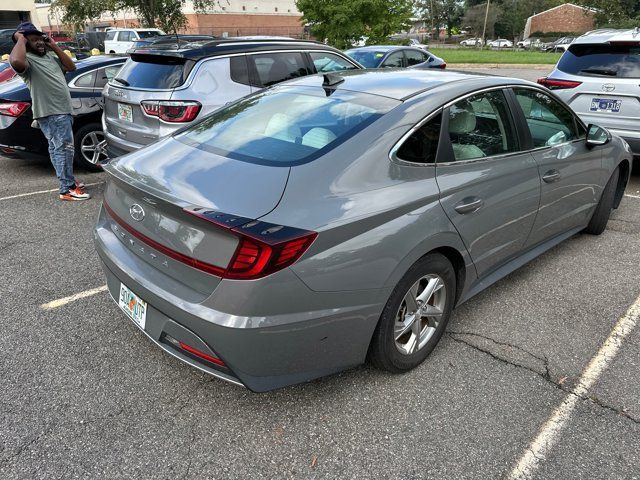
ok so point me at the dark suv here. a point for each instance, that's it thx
(162, 88)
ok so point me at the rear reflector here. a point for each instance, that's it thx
(198, 353)
(557, 84)
(172, 111)
(13, 109)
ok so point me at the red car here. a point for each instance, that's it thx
(6, 72)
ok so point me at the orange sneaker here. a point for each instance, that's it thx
(75, 194)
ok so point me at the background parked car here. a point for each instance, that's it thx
(598, 77)
(559, 45)
(393, 56)
(6, 72)
(163, 89)
(472, 42)
(91, 40)
(119, 40)
(417, 44)
(85, 84)
(6, 44)
(530, 43)
(500, 43)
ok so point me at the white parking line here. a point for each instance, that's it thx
(550, 431)
(63, 301)
(42, 191)
(631, 196)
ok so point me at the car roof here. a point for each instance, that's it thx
(401, 83)
(378, 48)
(97, 61)
(608, 35)
(119, 29)
(227, 46)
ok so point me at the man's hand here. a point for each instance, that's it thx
(50, 42)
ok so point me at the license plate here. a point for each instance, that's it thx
(133, 306)
(125, 112)
(605, 105)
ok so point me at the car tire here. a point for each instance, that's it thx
(90, 147)
(600, 216)
(399, 344)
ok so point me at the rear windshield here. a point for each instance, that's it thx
(602, 60)
(153, 72)
(286, 126)
(148, 33)
(367, 59)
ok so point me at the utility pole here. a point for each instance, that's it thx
(484, 29)
(432, 14)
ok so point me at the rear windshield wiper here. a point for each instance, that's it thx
(122, 81)
(601, 71)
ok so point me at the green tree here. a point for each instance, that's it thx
(447, 13)
(343, 22)
(164, 14)
(615, 13)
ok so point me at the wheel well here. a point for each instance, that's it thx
(79, 122)
(457, 261)
(622, 182)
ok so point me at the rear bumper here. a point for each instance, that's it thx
(17, 134)
(116, 146)
(260, 352)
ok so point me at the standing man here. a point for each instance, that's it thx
(43, 72)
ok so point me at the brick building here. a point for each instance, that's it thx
(563, 18)
(230, 17)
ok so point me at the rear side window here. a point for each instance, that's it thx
(396, 59)
(481, 126)
(602, 60)
(272, 68)
(86, 81)
(239, 70)
(125, 36)
(414, 57)
(110, 35)
(154, 72)
(330, 62)
(285, 126)
(422, 145)
(105, 75)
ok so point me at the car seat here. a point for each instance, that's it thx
(462, 121)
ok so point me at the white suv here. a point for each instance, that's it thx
(119, 40)
(598, 77)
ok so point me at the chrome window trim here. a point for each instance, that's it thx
(394, 150)
(190, 78)
(482, 159)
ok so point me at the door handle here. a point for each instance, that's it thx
(551, 176)
(469, 205)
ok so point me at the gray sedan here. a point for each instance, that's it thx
(335, 218)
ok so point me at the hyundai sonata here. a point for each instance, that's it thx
(335, 218)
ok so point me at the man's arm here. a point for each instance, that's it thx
(18, 56)
(67, 63)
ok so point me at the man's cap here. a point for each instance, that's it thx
(26, 28)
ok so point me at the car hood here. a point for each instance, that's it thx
(184, 175)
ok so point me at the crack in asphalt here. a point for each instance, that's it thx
(21, 448)
(546, 375)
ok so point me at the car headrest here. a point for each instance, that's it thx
(462, 118)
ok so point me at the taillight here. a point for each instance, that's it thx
(264, 248)
(13, 109)
(557, 84)
(443, 66)
(173, 111)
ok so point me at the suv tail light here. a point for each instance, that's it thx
(443, 66)
(557, 84)
(13, 109)
(173, 111)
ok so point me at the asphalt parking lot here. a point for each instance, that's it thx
(84, 394)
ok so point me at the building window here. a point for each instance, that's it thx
(244, 8)
(276, 9)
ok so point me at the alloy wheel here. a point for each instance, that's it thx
(93, 147)
(419, 314)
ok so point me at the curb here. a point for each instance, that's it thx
(531, 66)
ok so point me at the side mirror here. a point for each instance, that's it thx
(597, 136)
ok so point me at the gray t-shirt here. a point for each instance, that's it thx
(49, 91)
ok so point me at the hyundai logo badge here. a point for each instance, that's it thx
(608, 87)
(137, 212)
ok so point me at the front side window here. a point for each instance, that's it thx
(394, 60)
(480, 126)
(285, 126)
(148, 33)
(366, 58)
(548, 121)
(329, 62)
(422, 145)
(415, 57)
(274, 68)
